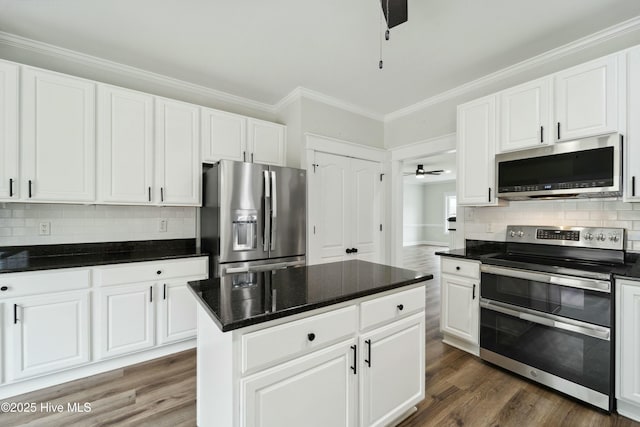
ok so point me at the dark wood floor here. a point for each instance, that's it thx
(461, 390)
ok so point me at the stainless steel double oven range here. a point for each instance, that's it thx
(546, 308)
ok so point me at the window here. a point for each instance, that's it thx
(449, 209)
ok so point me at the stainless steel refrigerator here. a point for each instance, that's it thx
(253, 217)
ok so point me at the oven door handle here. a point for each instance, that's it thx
(548, 320)
(554, 279)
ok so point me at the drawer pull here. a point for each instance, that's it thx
(400, 307)
(311, 336)
(4, 288)
(159, 272)
(458, 267)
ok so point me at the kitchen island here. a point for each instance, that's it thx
(339, 344)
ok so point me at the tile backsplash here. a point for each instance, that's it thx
(20, 223)
(490, 223)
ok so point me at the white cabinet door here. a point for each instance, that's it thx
(317, 390)
(476, 152)
(392, 370)
(460, 309)
(366, 209)
(587, 99)
(58, 137)
(628, 307)
(525, 113)
(125, 145)
(178, 166)
(127, 319)
(632, 138)
(9, 131)
(266, 142)
(224, 136)
(329, 195)
(177, 313)
(49, 333)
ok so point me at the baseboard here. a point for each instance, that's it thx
(628, 410)
(461, 344)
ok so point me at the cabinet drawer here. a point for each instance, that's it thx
(390, 307)
(461, 268)
(285, 341)
(150, 271)
(46, 281)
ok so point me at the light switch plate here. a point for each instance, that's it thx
(162, 225)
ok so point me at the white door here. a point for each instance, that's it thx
(366, 209)
(525, 113)
(266, 143)
(177, 313)
(629, 341)
(49, 333)
(317, 390)
(125, 145)
(58, 137)
(127, 319)
(391, 370)
(476, 152)
(587, 99)
(224, 136)
(9, 131)
(460, 307)
(178, 166)
(632, 138)
(329, 193)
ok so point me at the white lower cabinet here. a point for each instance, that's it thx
(628, 348)
(176, 313)
(47, 333)
(319, 388)
(460, 304)
(391, 370)
(127, 316)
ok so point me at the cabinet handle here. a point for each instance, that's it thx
(368, 360)
(558, 130)
(151, 293)
(162, 194)
(29, 188)
(633, 185)
(489, 194)
(10, 187)
(4, 288)
(457, 268)
(251, 157)
(149, 193)
(400, 307)
(541, 134)
(15, 314)
(164, 291)
(473, 296)
(244, 156)
(355, 359)
(311, 336)
(159, 272)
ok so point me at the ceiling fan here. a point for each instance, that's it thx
(420, 172)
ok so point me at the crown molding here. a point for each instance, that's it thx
(39, 47)
(575, 46)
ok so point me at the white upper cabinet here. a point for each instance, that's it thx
(266, 142)
(525, 116)
(8, 130)
(58, 137)
(632, 140)
(125, 146)
(178, 166)
(476, 151)
(586, 99)
(224, 136)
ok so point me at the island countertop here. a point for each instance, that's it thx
(243, 299)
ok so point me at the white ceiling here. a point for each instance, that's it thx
(263, 50)
(446, 161)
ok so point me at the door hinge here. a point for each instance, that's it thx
(315, 165)
(380, 227)
(381, 175)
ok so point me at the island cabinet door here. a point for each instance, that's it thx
(391, 370)
(316, 390)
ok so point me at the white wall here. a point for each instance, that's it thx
(413, 214)
(424, 213)
(92, 223)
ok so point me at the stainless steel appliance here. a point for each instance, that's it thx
(590, 167)
(546, 308)
(253, 216)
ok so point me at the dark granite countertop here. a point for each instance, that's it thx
(475, 250)
(46, 257)
(244, 299)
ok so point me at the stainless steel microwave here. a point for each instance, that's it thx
(590, 167)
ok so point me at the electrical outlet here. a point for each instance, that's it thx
(44, 229)
(162, 226)
(489, 227)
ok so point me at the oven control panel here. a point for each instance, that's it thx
(586, 237)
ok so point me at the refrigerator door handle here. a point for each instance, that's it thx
(274, 210)
(267, 208)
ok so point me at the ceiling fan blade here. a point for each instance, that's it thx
(434, 172)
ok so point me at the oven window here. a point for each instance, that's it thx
(578, 358)
(579, 304)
